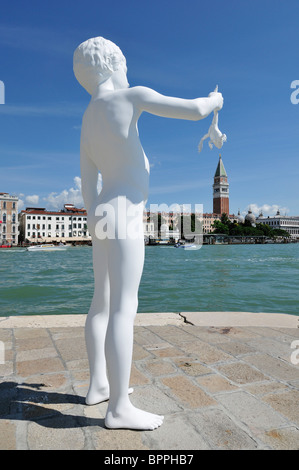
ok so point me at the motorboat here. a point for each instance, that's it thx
(188, 246)
(47, 247)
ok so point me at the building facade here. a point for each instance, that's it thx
(37, 225)
(220, 190)
(9, 225)
(284, 222)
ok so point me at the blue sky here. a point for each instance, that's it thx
(248, 48)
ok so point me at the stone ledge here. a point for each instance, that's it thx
(226, 319)
(217, 319)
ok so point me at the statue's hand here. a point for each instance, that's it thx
(218, 100)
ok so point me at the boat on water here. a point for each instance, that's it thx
(5, 246)
(47, 247)
(188, 246)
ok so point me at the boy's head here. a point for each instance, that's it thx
(95, 60)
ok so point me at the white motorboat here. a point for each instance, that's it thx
(47, 247)
(188, 246)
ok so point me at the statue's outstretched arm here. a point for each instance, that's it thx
(152, 102)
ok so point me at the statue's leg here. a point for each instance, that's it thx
(125, 259)
(96, 326)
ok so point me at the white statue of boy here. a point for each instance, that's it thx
(110, 145)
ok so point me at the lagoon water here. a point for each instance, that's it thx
(253, 278)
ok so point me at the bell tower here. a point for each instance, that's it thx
(220, 190)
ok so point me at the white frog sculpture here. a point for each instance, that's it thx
(216, 137)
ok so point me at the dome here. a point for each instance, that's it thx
(250, 217)
(240, 218)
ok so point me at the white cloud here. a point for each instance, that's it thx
(73, 195)
(56, 201)
(266, 209)
(25, 201)
(32, 199)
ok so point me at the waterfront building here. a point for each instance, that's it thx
(284, 222)
(220, 190)
(9, 226)
(68, 225)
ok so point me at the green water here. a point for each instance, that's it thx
(255, 278)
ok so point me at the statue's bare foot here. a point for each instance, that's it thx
(96, 396)
(132, 418)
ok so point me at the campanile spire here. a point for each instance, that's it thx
(220, 190)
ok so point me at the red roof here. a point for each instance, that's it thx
(41, 211)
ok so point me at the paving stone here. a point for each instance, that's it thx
(235, 348)
(273, 367)
(282, 439)
(241, 373)
(144, 336)
(251, 411)
(26, 333)
(265, 388)
(204, 352)
(286, 403)
(157, 367)
(39, 366)
(28, 344)
(191, 367)
(54, 381)
(42, 397)
(176, 433)
(118, 439)
(55, 434)
(151, 398)
(33, 354)
(137, 377)
(173, 334)
(7, 435)
(140, 353)
(6, 369)
(273, 347)
(187, 392)
(72, 348)
(221, 432)
(214, 384)
(167, 352)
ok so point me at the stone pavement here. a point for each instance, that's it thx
(219, 387)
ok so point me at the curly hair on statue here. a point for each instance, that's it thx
(95, 60)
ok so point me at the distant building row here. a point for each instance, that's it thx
(70, 224)
(39, 225)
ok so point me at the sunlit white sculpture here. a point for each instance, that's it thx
(110, 145)
(216, 137)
